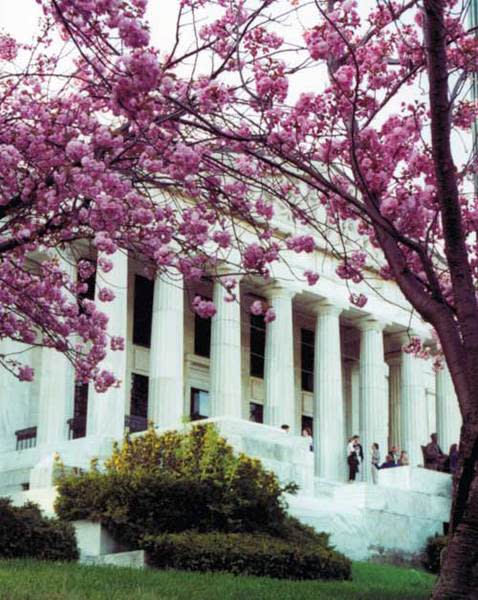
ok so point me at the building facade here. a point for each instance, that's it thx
(322, 363)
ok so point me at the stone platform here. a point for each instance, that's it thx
(394, 517)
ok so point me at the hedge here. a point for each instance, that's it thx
(132, 506)
(177, 481)
(24, 532)
(245, 554)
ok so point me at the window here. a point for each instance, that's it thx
(202, 336)
(256, 412)
(77, 425)
(308, 423)
(199, 404)
(258, 345)
(143, 311)
(139, 395)
(80, 406)
(307, 359)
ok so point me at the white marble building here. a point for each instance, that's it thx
(322, 363)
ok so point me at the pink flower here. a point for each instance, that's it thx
(269, 315)
(204, 308)
(117, 343)
(301, 243)
(257, 308)
(312, 277)
(106, 295)
(25, 373)
(358, 300)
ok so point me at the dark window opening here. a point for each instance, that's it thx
(258, 345)
(256, 412)
(307, 359)
(308, 423)
(202, 336)
(199, 404)
(139, 395)
(142, 311)
(77, 425)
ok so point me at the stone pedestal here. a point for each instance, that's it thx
(106, 411)
(225, 367)
(93, 539)
(166, 358)
(373, 392)
(329, 440)
(449, 419)
(279, 361)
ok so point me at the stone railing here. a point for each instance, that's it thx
(135, 424)
(76, 427)
(26, 438)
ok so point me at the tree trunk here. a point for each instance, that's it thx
(459, 573)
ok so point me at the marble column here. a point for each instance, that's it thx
(56, 386)
(394, 402)
(225, 366)
(106, 411)
(166, 355)
(412, 407)
(15, 395)
(279, 361)
(329, 441)
(448, 413)
(373, 392)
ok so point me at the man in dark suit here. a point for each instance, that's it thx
(435, 458)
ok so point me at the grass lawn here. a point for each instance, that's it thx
(31, 580)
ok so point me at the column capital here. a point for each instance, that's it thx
(404, 337)
(393, 359)
(278, 289)
(370, 323)
(328, 306)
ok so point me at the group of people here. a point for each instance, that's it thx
(436, 460)
(355, 459)
(434, 457)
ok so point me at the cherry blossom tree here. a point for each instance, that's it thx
(350, 118)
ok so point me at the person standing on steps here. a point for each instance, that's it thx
(353, 463)
(360, 457)
(375, 462)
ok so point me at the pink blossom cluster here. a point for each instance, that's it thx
(203, 307)
(259, 307)
(301, 243)
(171, 157)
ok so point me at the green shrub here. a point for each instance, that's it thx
(24, 532)
(173, 482)
(433, 550)
(131, 506)
(245, 554)
(180, 486)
